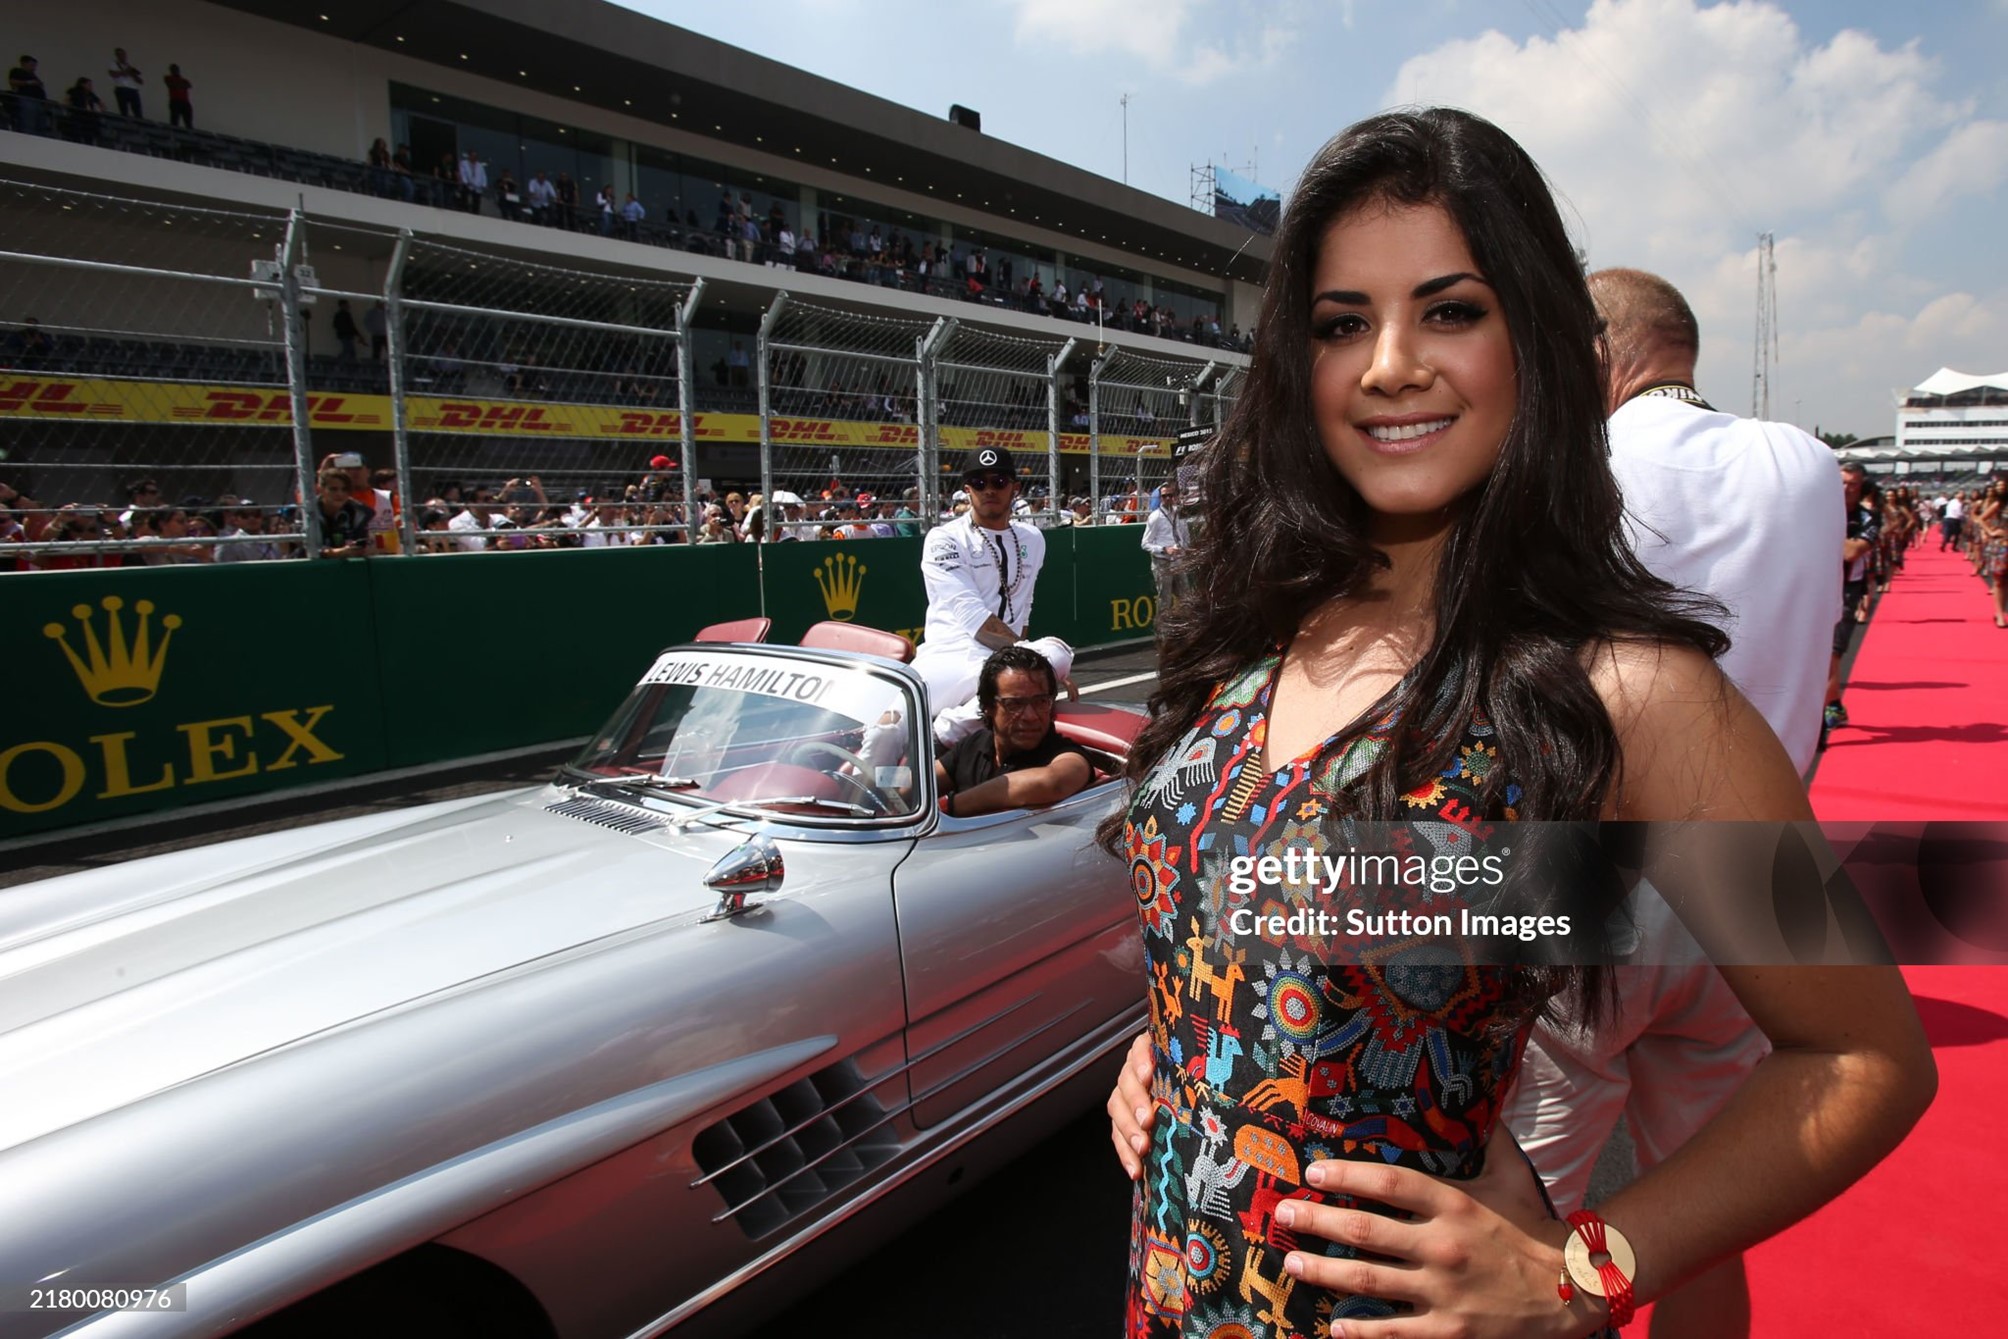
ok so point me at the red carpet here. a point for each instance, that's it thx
(1927, 703)
(1916, 1247)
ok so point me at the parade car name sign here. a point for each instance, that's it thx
(860, 697)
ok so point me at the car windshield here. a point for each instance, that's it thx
(801, 737)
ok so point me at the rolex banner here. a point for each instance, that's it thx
(152, 688)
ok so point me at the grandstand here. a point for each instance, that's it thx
(132, 244)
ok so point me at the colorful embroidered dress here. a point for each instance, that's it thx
(1273, 1052)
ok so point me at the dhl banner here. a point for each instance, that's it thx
(98, 400)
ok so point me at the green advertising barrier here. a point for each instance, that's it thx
(1114, 599)
(142, 689)
(1053, 613)
(138, 689)
(483, 652)
(875, 582)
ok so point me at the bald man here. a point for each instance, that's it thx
(1750, 514)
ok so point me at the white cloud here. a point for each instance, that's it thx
(1164, 35)
(1973, 160)
(1676, 131)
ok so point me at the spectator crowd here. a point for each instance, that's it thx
(845, 247)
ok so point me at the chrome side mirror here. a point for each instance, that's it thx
(754, 866)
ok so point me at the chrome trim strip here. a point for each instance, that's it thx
(896, 1072)
(944, 1085)
(969, 1069)
(890, 1076)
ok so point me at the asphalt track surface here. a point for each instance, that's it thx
(1039, 1248)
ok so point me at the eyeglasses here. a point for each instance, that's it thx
(986, 482)
(1018, 706)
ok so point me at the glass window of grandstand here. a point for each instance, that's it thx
(437, 125)
(878, 244)
(560, 152)
(709, 205)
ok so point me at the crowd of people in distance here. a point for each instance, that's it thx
(1971, 521)
(845, 247)
(31, 111)
(361, 514)
(149, 530)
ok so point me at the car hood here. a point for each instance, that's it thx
(121, 982)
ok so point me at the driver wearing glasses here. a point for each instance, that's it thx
(979, 570)
(1016, 760)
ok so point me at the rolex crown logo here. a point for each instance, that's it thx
(117, 671)
(840, 577)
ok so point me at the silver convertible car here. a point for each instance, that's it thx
(646, 1048)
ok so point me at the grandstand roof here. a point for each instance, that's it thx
(1945, 381)
(638, 66)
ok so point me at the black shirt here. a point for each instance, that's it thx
(350, 525)
(1863, 523)
(974, 760)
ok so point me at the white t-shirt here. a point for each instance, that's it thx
(1955, 509)
(1750, 513)
(462, 523)
(971, 574)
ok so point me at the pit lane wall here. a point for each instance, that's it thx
(135, 690)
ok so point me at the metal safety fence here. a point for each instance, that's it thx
(148, 367)
(1137, 406)
(183, 383)
(842, 407)
(995, 387)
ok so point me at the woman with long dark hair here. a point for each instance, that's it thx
(1412, 603)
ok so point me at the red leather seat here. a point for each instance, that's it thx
(832, 636)
(736, 630)
(1095, 725)
(776, 779)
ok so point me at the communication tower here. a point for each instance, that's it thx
(1767, 328)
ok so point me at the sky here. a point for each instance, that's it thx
(1871, 139)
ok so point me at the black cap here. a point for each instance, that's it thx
(983, 459)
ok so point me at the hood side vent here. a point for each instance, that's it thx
(787, 1153)
(606, 814)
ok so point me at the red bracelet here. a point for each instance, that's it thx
(1609, 1277)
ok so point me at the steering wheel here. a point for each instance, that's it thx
(861, 769)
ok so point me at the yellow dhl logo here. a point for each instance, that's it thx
(804, 430)
(51, 397)
(268, 407)
(456, 416)
(642, 423)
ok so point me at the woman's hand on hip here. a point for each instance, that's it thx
(1475, 1259)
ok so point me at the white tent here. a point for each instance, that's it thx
(1945, 381)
